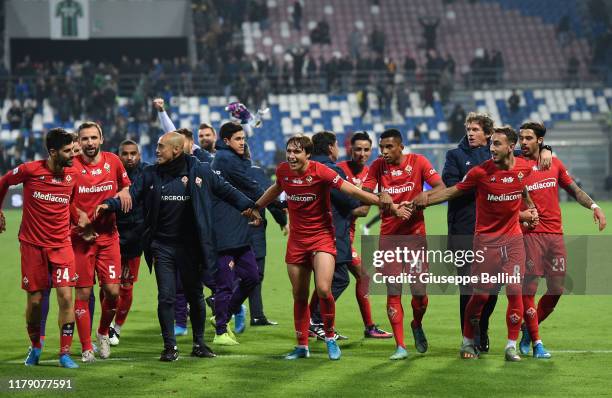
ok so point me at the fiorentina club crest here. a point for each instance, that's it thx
(514, 318)
(408, 170)
(26, 282)
(107, 167)
(68, 178)
(309, 179)
(520, 176)
(185, 180)
(198, 182)
(231, 265)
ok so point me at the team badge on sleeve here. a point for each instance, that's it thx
(16, 170)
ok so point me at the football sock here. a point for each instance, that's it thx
(301, 320)
(66, 338)
(514, 314)
(124, 304)
(327, 306)
(419, 306)
(361, 293)
(473, 310)
(34, 334)
(109, 306)
(83, 322)
(547, 305)
(531, 316)
(395, 312)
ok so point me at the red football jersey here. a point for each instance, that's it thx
(499, 196)
(308, 198)
(95, 183)
(543, 186)
(357, 180)
(46, 202)
(403, 182)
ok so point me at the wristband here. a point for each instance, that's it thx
(546, 147)
(594, 206)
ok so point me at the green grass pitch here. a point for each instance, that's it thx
(577, 333)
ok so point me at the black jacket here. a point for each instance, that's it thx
(342, 207)
(204, 184)
(462, 210)
(231, 228)
(258, 234)
(131, 225)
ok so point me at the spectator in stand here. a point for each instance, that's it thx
(513, 102)
(573, 66)
(296, 16)
(410, 67)
(430, 31)
(456, 122)
(377, 41)
(15, 115)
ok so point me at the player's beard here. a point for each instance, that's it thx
(87, 152)
(65, 162)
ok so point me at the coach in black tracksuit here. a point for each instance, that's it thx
(176, 195)
(325, 151)
(258, 244)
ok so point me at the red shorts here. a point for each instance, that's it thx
(413, 254)
(129, 269)
(499, 261)
(103, 259)
(302, 251)
(38, 262)
(546, 255)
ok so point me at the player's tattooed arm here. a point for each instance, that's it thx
(527, 199)
(585, 200)
(2, 222)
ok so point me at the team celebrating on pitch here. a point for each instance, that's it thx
(199, 216)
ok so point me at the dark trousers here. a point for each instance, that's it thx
(339, 284)
(233, 265)
(169, 259)
(255, 300)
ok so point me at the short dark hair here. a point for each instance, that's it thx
(128, 142)
(483, 120)
(185, 133)
(301, 142)
(57, 138)
(538, 128)
(207, 126)
(391, 133)
(360, 136)
(86, 125)
(229, 129)
(508, 132)
(321, 142)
